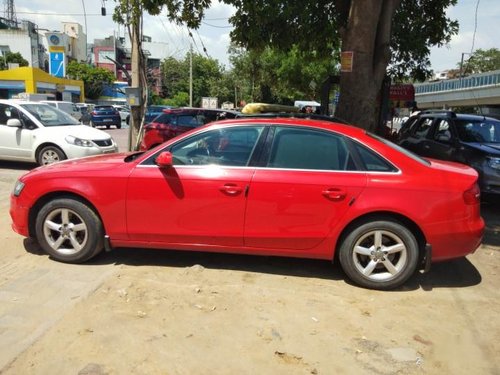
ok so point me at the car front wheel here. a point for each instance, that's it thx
(69, 230)
(49, 155)
(379, 254)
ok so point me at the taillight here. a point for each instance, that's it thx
(472, 195)
(93, 113)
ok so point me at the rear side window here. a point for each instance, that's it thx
(297, 148)
(164, 119)
(443, 131)
(191, 121)
(422, 128)
(372, 161)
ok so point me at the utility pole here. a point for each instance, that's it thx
(137, 62)
(191, 76)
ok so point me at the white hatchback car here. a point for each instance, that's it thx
(37, 132)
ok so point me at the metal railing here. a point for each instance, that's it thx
(456, 84)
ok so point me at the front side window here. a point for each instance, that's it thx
(478, 131)
(299, 148)
(228, 147)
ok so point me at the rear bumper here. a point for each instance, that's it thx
(455, 239)
(115, 120)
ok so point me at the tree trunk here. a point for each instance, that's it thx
(360, 89)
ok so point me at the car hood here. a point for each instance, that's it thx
(86, 165)
(79, 131)
(488, 148)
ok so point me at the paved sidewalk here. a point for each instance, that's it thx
(35, 292)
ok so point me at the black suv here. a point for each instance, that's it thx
(468, 139)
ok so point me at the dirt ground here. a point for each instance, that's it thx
(165, 312)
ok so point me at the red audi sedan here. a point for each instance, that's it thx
(282, 187)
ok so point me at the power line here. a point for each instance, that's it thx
(475, 27)
(60, 14)
(201, 41)
(218, 27)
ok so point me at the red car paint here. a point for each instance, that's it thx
(260, 209)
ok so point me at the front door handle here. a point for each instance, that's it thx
(334, 194)
(231, 189)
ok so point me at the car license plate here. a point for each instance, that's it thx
(108, 120)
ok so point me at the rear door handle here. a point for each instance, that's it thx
(334, 194)
(231, 189)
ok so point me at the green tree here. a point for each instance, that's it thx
(481, 61)
(209, 79)
(12, 57)
(375, 31)
(94, 79)
(278, 76)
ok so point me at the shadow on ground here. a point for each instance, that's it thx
(453, 274)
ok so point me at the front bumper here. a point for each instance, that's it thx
(19, 216)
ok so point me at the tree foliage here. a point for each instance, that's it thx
(380, 33)
(272, 75)
(94, 78)
(481, 61)
(209, 79)
(12, 57)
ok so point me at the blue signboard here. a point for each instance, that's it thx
(57, 64)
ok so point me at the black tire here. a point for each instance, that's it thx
(91, 123)
(108, 126)
(49, 155)
(69, 231)
(127, 119)
(380, 254)
(118, 126)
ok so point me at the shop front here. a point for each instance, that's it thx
(36, 81)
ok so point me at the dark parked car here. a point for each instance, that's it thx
(152, 112)
(175, 121)
(468, 139)
(105, 115)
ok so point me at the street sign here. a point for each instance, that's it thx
(209, 102)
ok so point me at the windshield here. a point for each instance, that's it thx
(49, 116)
(483, 131)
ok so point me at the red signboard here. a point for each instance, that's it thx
(404, 93)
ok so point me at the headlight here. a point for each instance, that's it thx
(79, 142)
(18, 187)
(494, 162)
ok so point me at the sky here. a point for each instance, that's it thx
(213, 35)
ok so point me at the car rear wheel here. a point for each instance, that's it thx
(118, 126)
(92, 123)
(379, 254)
(49, 155)
(69, 230)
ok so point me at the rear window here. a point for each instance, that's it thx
(103, 107)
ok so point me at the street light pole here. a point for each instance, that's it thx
(462, 64)
(191, 76)
(86, 30)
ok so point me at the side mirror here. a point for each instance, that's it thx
(165, 160)
(14, 122)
